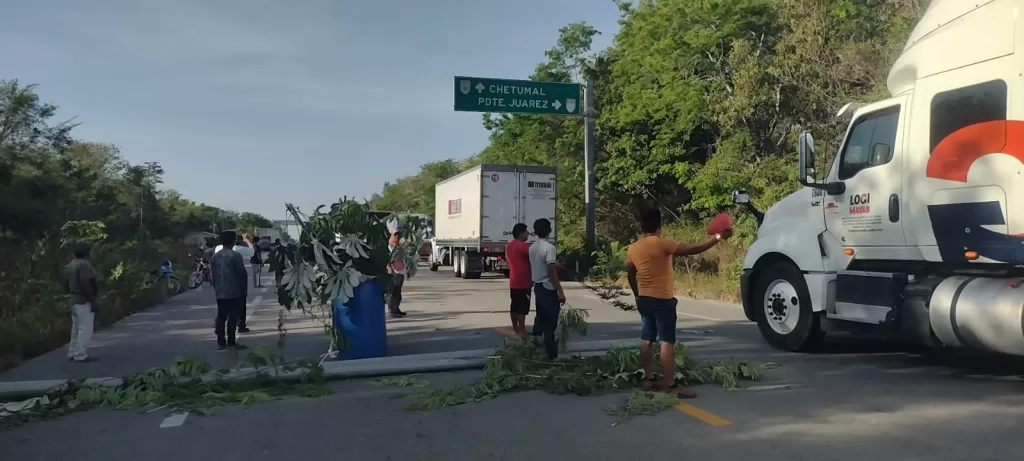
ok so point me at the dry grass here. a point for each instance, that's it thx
(711, 275)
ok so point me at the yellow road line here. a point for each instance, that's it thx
(507, 332)
(408, 292)
(703, 415)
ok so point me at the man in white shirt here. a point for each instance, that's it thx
(547, 288)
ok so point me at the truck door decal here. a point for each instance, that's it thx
(968, 123)
(953, 156)
(958, 226)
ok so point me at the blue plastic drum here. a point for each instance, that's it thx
(362, 320)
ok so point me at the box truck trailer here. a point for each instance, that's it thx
(476, 210)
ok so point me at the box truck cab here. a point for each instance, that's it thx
(916, 231)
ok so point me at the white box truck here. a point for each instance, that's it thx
(476, 209)
(265, 237)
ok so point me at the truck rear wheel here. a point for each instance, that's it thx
(457, 263)
(783, 309)
(464, 265)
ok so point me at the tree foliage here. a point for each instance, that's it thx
(56, 191)
(415, 193)
(695, 98)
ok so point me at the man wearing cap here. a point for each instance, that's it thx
(398, 271)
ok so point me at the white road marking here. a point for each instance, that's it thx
(769, 387)
(921, 370)
(255, 302)
(995, 378)
(264, 289)
(175, 420)
(700, 317)
(683, 299)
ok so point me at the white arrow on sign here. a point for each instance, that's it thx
(570, 105)
(557, 104)
(480, 87)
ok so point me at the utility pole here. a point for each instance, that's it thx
(589, 141)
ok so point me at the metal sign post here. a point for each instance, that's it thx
(589, 142)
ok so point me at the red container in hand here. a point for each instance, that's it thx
(720, 223)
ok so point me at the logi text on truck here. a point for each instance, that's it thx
(476, 210)
(916, 232)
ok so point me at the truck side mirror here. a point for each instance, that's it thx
(740, 197)
(805, 158)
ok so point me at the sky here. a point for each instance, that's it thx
(249, 104)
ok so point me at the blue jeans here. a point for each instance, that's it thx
(546, 322)
(657, 318)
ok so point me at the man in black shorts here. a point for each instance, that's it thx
(517, 253)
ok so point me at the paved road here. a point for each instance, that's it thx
(445, 314)
(859, 403)
(859, 400)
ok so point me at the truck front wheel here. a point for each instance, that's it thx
(783, 309)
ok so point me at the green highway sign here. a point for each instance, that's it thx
(474, 94)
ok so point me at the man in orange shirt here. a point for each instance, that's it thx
(649, 266)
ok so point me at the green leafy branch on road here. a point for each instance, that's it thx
(184, 385)
(571, 321)
(338, 249)
(609, 292)
(640, 402)
(521, 367)
(401, 381)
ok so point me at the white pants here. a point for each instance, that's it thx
(82, 319)
(257, 274)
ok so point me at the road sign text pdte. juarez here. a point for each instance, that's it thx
(474, 94)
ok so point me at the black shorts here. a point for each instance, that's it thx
(657, 319)
(520, 301)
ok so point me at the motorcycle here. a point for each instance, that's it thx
(200, 273)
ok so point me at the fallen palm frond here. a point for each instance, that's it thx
(522, 366)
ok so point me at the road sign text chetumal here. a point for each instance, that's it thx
(473, 94)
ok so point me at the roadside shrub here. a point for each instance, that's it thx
(34, 313)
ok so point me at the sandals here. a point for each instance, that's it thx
(680, 392)
(653, 384)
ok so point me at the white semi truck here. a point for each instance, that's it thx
(476, 210)
(916, 232)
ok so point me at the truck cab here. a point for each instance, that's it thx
(916, 231)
